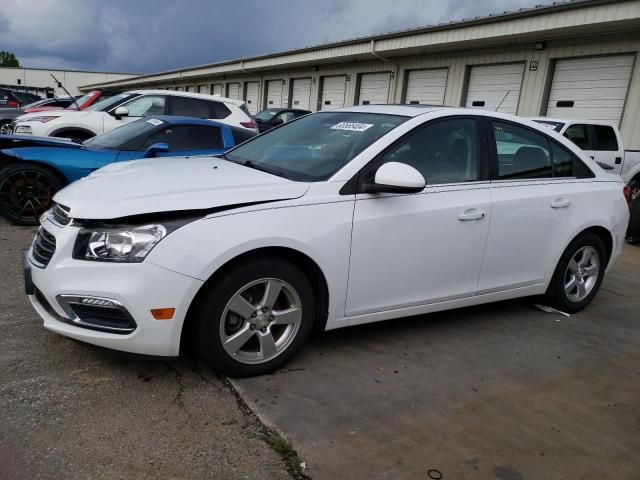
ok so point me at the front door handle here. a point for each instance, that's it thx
(560, 203)
(471, 214)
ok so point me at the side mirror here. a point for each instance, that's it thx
(121, 112)
(278, 121)
(395, 177)
(156, 148)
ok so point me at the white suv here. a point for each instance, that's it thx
(126, 107)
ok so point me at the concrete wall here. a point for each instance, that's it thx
(38, 78)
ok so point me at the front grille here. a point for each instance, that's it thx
(43, 247)
(60, 215)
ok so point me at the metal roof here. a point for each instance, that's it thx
(491, 18)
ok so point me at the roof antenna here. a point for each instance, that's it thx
(66, 91)
(503, 98)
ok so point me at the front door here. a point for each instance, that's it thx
(426, 247)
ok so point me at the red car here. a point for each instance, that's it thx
(83, 102)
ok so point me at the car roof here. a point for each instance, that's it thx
(202, 96)
(570, 120)
(404, 110)
(178, 120)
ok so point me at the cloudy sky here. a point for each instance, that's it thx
(154, 35)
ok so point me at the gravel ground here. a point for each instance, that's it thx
(69, 410)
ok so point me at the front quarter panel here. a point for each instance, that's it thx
(322, 231)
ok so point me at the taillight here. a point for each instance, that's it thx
(13, 104)
(250, 124)
(627, 194)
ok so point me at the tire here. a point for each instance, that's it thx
(633, 230)
(76, 136)
(5, 127)
(26, 191)
(574, 300)
(216, 320)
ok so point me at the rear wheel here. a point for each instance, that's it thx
(26, 191)
(579, 274)
(255, 317)
(5, 127)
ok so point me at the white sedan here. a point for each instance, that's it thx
(338, 218)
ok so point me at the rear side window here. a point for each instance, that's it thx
(241, 135)
(522, 153)
(188, 137)
(605, 138)
(219, 110)
(566, 164)
(190, 107)
(579, 134)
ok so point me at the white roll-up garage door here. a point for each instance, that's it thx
(217, 89)
(301, 93)
(426, 86)
(374, 88)
(275, 89)
(493, 85)
(233, 91)
(333, 92)
(590, 88)
(251, 96)
(203, 89)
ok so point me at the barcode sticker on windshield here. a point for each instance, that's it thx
(155, 121)
(352, 126)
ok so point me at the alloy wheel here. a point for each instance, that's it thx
(25, 194)
(260, 321)
(582, 274)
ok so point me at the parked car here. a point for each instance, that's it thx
(9, 99)
(8, 115)
(337, 218)
(33, 169)
(603, 143)
(115, 111)
(272, 117)
(83, 102)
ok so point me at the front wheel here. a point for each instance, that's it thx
(579, 274)
(255, 317)
(26, 191)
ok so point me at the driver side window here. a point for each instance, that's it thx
(443, 152)
(146, 106)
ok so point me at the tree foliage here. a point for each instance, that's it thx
(8, 59)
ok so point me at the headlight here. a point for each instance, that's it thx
(43, 119)
(23, 129)
(118, 244)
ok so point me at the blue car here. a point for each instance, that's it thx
(33, 169)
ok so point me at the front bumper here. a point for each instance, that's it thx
(137, 288)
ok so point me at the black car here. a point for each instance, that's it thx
(13, 99)
(272, 117)
(7, 115)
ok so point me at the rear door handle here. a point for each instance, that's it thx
(560, 203)
(471, 214)
(618, 160)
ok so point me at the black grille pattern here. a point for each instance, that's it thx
(43, 247)
(60, 215)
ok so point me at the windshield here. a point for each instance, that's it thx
(108, 102)
(116, 139)
(266, 115)
(557, 126)
(36, 103)
(316, 146)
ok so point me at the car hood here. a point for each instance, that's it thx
(58, 113)
(158, 185)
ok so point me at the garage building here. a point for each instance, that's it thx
(576, 59)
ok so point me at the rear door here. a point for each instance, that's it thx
(535, 196)
(410, 250)
(607, 150)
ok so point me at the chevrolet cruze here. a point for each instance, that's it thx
(335, 219)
